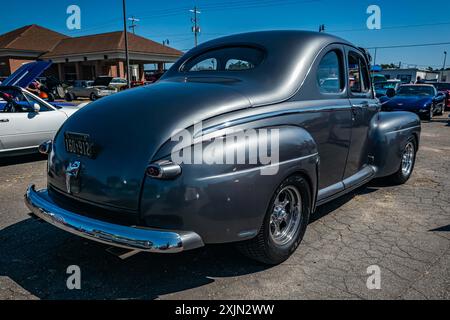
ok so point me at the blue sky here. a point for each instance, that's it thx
(403, 22)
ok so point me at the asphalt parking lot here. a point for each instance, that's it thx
(404, 230)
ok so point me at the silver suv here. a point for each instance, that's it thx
(90, 89)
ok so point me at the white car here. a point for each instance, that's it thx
(26, 121)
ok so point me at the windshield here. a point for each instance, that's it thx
(385, 85)
(225, 59)
(415, 91)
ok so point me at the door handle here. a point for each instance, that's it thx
(4, 120)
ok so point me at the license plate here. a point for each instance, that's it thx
(78, 144)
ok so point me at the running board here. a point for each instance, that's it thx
(339, 189)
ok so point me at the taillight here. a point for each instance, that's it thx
(164, 170)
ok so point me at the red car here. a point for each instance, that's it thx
(445, 88)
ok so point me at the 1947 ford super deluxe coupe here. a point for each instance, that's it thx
(112, 176)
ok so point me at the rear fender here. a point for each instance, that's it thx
(228, 202)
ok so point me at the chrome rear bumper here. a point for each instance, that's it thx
(132, 238)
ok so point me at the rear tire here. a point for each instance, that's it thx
(284, 224)
(93, 97)
(68, 97)
(407, 163)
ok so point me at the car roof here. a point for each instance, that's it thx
(290, 52)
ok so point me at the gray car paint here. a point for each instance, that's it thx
(337, 141)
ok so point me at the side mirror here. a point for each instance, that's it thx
(390, 92)
(36, 107)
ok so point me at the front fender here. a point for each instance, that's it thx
(228, 202)
(388, 138)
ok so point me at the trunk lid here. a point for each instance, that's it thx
(26, 74)
(127, 129)
(102, 82)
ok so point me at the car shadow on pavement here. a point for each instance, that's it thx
(8, 161)
(36, 255)
(442, 229)
(329, 207)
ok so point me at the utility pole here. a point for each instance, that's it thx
(127, 57)
(196, 28)
(445, 60)
(133, 23)
(165, 43)
(375, 57)
(443, 67)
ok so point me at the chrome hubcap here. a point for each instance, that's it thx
(286, 215)
(408, 159)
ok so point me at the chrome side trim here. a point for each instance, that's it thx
(405, 129)
(132, 238)
(234, 173)
(247, 119)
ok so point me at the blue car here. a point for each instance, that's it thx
(381, 88)
(424, 100)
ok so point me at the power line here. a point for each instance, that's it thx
(394, 27)
(410, 45)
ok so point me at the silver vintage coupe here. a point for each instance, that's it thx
(126, 171)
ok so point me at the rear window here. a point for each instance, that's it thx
(225, 59)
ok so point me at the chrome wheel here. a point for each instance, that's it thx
(408, 159)
(286, 215)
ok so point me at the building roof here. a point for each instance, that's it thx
(49, 44)
(31, 38)
(109, 42)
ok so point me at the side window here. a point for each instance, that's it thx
(32, 101)
(329, 73)
(359, 77)
(209, 64)
(354, 74)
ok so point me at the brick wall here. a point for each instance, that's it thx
(16, 63)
